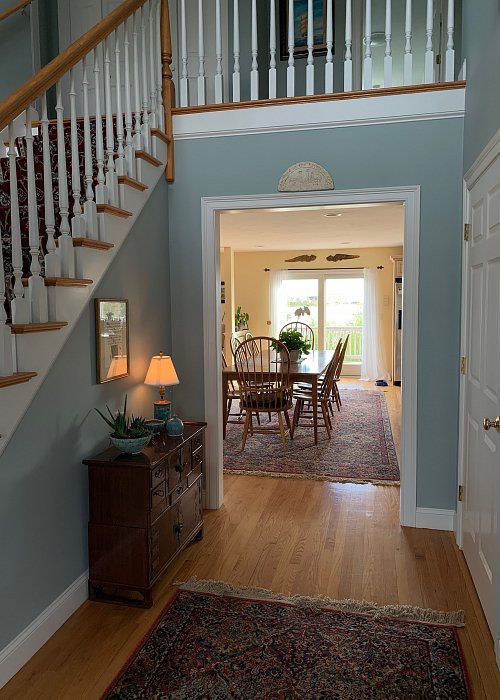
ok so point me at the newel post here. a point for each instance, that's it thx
(167, 84)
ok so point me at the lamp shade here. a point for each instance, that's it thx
(161, 371)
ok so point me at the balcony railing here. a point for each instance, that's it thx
(230, 51)
(354, 346)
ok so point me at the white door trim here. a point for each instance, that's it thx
(210, 210)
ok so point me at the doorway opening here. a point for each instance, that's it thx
(214, 210)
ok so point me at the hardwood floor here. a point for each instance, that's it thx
(292, 536)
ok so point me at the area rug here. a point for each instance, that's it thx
(361, 448)
(215, 642)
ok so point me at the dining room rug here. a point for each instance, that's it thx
(361, 449)
(217, 641)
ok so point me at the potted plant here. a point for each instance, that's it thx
(241, 319)
(129, 434)
(295, 343)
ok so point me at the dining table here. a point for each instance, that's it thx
(308, 370)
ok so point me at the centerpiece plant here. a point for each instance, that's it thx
(129, 433)
(295, 343)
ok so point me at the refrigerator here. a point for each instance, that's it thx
(397, 334)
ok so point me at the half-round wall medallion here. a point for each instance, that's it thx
(305, 177)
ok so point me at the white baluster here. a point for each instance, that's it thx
(254, 73)
(348, 47)
(290, 71)
(329, 47)
(152, 68)
(159, 79)
(36, 285)
(272, 50)
(6, 354)
(408, 57)
(89, 207)
(236, 45)
(184, 58)
(146, 133)
(388, 47)
(111, 181)
(429, 53)
(20, 306)
(120, 151)
(129, 150)
(368, 63)
(65, 241)
(450, 51)
(52, 258)
(101, 191)
(77, 222)
(310, 47)
(201, 56)
(218, 54)
(137, 93)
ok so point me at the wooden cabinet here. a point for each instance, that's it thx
(143, 510)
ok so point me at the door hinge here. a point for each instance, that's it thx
(463, 365)
(438, 59)
(460, 493)
(466, 232)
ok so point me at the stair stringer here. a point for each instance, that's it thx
(37, 352)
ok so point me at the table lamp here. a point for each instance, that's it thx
(161, 373)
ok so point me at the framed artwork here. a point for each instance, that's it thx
(300, 28)
(111, 332)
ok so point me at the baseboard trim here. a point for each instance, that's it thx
(31, 639)
(436, 519)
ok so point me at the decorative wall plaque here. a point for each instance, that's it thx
(305, 177)
(341, 256)
(302, 258)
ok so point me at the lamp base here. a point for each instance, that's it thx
(162, 410)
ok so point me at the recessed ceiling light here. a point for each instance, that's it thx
(332, 214)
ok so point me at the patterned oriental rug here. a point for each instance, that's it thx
(361, 449)
(237, 644)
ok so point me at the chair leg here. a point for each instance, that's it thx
(326, 418)
(258, 419)
(289, 426)
(295, 419)
(282, 429)
(248, 421)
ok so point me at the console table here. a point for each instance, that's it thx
(143, 510)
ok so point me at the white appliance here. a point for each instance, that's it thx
(397, 335)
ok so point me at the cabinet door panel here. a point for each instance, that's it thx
(118, 555)
(164, 537)
(179, 465)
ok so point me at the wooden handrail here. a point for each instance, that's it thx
(38, 85)
(15, 8)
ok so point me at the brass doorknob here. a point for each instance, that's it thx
(487, 424)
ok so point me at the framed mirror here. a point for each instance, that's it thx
(111, 332)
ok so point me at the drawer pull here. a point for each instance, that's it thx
(180, 467)
(159, 492)
(180, 490)
(158, 473)
(179, 525)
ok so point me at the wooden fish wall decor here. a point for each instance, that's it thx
(341, 256)
(302, 258)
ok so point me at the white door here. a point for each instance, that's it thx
(481, 446)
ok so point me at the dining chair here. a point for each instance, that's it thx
(306, 331)
(235, 343)
(304, 402)
(335, 393)
(264, 384)
(233, 394)
(253, 347)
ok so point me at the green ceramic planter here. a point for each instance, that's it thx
(131, 446)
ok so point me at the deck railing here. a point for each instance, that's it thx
(354, 346)
(232, 51)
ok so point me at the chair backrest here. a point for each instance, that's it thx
(306, 331)
(235, 343)
(330, 374)
(340, 362)
(264, 380)
(252, 347)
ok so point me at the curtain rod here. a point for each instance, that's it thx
(317, 269)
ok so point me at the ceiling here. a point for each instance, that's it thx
(314, 228)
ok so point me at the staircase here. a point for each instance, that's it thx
(71, 188)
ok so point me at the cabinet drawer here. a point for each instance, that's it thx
(195, 474)
(197, 457)
(179, 464)
(157, 475)
(178, 491)
(197, 441)
(158, 500)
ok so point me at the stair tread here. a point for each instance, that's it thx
(111, 209)
(92, 243)
(18, 328)
(161, 135)
(148, 157)
(126, 180)
(16, 378)
(67, 282)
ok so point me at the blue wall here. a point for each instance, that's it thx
(15, 47)
(43, 484)
(426, 153)
(481, 40)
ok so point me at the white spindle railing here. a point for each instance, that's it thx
(254, 74)
(110, 142)
(388, 44)
(364, 65)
